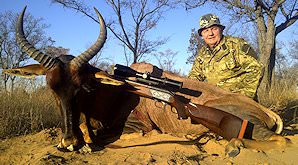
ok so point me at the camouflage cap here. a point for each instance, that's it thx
(207, 21)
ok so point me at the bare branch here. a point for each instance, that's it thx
(190, 4)
(144, 14)
(73, 4)
(286, 24)
(279, 2)
(283, 11)
(117, 9)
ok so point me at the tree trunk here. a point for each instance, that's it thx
(265, 84)
(266, 41)
(12, 86)
(267, 58)
(5, 86)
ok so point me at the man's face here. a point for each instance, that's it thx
(212, 35)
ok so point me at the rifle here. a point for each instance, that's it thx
(164, 90)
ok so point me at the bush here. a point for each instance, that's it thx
(22, 113)
(282, 96)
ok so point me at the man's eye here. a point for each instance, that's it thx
(214, 28)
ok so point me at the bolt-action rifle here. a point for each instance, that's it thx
(164, 90)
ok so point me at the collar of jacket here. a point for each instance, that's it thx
(220, 45)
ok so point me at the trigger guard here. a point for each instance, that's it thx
(163, 107)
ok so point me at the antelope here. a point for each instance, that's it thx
(92, 109)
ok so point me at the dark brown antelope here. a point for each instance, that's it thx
(92, 109)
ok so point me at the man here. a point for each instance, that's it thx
(225, 61)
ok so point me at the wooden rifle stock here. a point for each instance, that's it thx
(222, 123)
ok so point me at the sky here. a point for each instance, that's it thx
(77, 32)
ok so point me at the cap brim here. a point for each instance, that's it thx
(201, 29)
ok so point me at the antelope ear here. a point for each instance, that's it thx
(104, 78)
(29, 71)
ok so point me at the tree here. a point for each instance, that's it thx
(11, 55)
(166, 60)
(195, 43)
(294, 51)
(133, 20)
(56, 51)
(271, 18)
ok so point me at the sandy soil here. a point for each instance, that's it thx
(152, 148)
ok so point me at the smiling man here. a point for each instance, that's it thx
(226, 61)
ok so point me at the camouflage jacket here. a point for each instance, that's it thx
(231, 65)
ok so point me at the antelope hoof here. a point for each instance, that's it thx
(69, 148)
(86, 149)
(67, 145)
(233, 148)
(231, 151)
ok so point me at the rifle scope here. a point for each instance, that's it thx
(124, 71)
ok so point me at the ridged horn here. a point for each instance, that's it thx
(45, 60)
(95, 48)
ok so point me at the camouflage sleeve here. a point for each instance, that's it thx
(252, 70)
(196, 70)
(246, 49)
(252, 77)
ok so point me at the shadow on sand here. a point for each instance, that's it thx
(290, 117)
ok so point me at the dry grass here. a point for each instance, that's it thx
(22, 113)
(283, 95)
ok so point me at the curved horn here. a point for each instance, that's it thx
(95, 48)
(277, 119)
(45, 60)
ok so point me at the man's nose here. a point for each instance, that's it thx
(210, 32)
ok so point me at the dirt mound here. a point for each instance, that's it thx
(152, 148)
